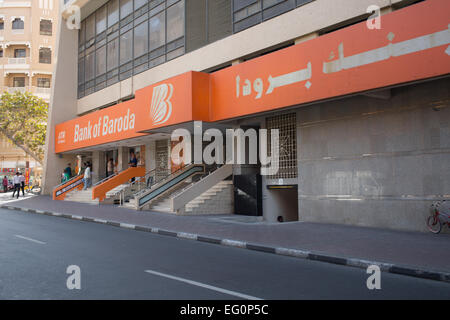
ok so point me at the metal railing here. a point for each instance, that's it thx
(23, 60)
(68, 181)
(144, 182)
(107, 178)
(208, 170)
(162, 175)
(169, 182)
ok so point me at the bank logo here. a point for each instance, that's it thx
(161, 107)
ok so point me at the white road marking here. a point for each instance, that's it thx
(202, 285)
(29, 239)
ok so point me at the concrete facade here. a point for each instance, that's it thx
(375, 162)
(375, 159)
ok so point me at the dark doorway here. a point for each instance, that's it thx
(285, 200)
(248, 195)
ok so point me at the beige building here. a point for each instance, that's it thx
(362, 112)
(27, 46)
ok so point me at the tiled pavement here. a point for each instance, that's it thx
(416, 250)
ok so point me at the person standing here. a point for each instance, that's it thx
(5, 184)
(68, 172)
(22, 183)
(110, 167)
(87, 176)
(133, 160)
(133, 163)
(16, 182)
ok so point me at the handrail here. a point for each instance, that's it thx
(168, 183)
(130, 184)
(59, 192)
(180, 199)
(100, 190)
(164, 178)
(208, 170)
(70, 180)
(109, 177)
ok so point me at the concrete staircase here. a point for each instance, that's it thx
(163, 203)
(217, 200)
(83, 196)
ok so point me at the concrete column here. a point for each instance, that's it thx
(98, 166)
(123, 159)
(150, 156)
(64, 93)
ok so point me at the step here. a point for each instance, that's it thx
(128, 205)
(160, 208)
(163, 210)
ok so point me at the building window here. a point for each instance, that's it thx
(43, 82)
(46, 27)
(139, 3)
(157, 31)
(249, 13)
(1, 53)
(126, 7)
(126, 37)
(2, 25)
(19, 82)
(287, 126)
(113, 55)
(18, 24)
(100, 61)
(207, 21)
(20, 53)
(45, 55)
(113, 12)
(101, 20)
(90, 27)
(175, 19)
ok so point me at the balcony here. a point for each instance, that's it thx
(17, 64)
(12, 90)
(43, 93)
(18, 31)
(16, 61)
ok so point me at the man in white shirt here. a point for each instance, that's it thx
(16, 182)
(22, 183)
(87, 176)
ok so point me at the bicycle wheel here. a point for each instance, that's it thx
(434, 224)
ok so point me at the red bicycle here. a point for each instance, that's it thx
(440, 215)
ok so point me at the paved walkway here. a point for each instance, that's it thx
(7, 197)
(423, 250)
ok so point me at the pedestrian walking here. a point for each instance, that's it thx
(5, 184)
(22, 183)
(16, 182)
(87, 176)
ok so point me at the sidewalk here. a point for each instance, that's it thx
(408, 253)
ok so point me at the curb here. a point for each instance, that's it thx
(309, 255)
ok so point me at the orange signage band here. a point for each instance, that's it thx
(413, 44)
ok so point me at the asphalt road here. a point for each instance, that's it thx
(116, 263)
